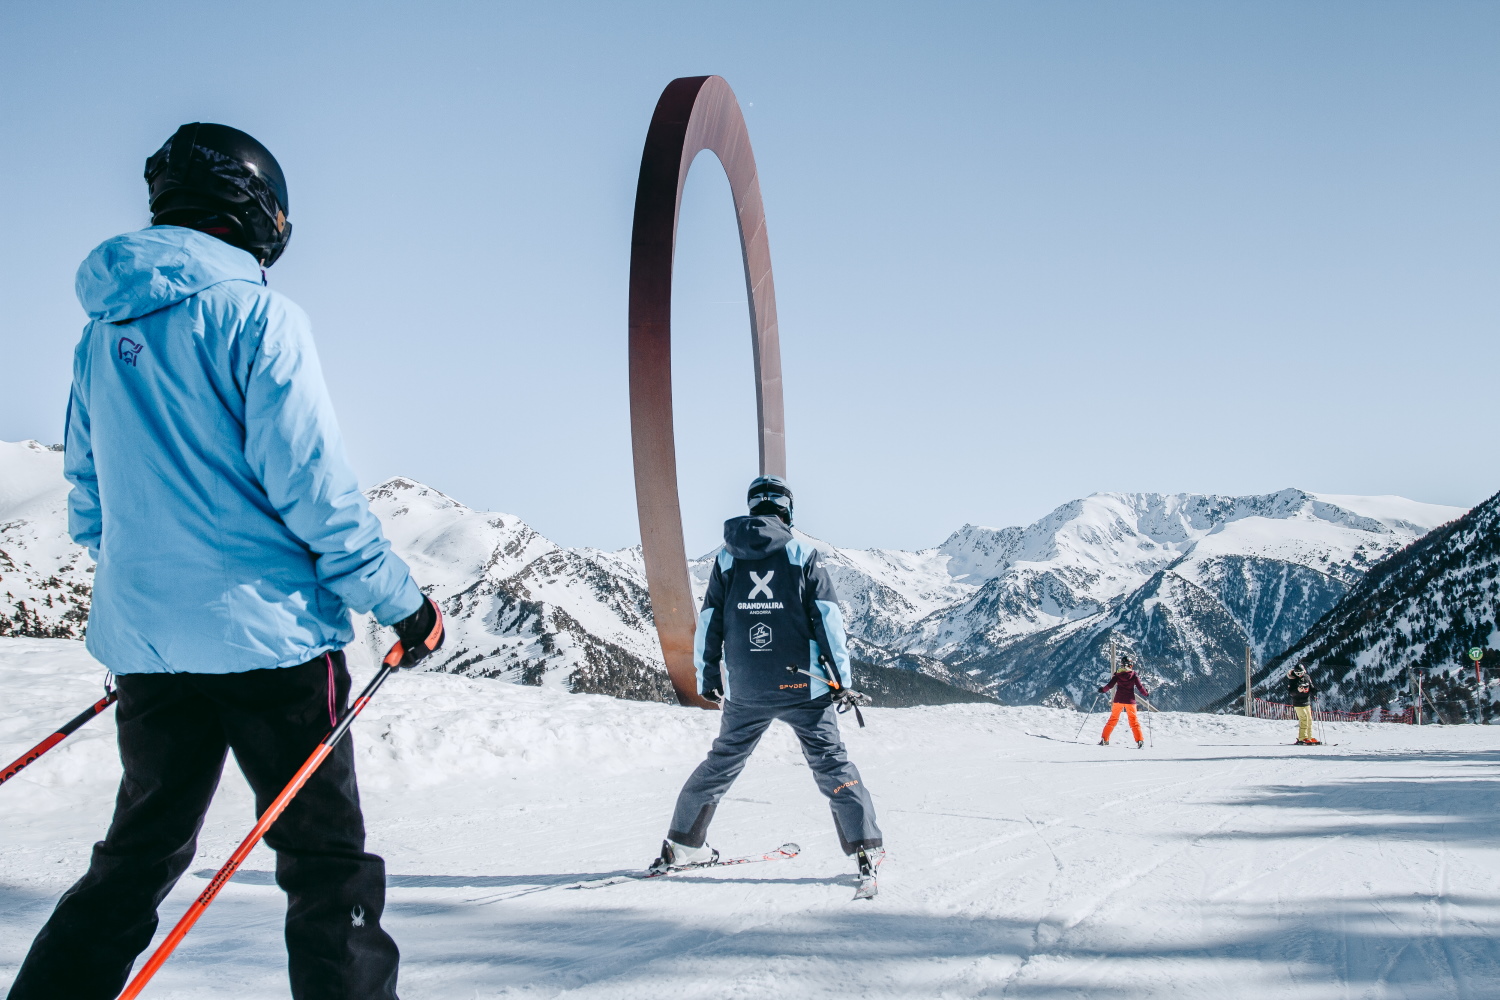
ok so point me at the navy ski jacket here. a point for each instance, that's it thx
(770, 605)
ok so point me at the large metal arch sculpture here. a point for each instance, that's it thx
(693, 114)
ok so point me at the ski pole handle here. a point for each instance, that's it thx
(829, 677)
(273, 812)
(71, 727)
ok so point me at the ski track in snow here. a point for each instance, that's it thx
(1220, 862)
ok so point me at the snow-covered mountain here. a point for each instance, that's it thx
(1421, 610)
(1185, 582)
(45, 580)
(520, 607)
(1026, 614)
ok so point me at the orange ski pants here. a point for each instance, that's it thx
(1114, 719)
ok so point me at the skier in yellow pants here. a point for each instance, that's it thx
(1126, 683)
(1300, 687)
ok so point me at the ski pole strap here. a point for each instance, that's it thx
(273, 812)
(849, 699)
(844, 698)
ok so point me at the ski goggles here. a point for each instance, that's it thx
(780, 500)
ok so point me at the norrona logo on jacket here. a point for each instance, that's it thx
(770, 606)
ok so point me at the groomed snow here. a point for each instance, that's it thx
(1219, 863)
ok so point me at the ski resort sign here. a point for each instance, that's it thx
(693, 114)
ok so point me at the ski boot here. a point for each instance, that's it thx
(869, 859)
(1104, 743)
(1140, 744)
(675, 856)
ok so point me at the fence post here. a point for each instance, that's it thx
(1419, 696)
(1248, 698)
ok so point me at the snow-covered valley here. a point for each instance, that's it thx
(1219, 862)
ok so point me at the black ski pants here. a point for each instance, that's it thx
(174, 732)
(817, 727)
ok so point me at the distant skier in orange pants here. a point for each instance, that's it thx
(1126, 683)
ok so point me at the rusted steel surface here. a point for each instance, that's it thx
(693, 114)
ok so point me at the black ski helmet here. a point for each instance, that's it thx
(770, 495)
(220, 181)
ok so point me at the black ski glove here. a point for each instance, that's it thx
(713, 684)
(420, 633)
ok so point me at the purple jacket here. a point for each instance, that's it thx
(1126, 683)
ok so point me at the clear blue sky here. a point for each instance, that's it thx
(1024, 251)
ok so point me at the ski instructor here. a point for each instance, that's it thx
(769, 620)
(231, 542)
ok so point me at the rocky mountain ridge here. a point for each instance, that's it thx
(1026, 614)
(1420, 611)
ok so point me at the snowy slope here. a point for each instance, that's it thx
(1219, 863)
(45, 580)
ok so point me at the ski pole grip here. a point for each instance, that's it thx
(393, 658)
(832, 674)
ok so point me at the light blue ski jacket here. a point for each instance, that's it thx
(209, 477)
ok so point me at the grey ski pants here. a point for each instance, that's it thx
(816, 725)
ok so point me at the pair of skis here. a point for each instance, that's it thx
(866, 890)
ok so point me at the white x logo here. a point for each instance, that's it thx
(761, 583)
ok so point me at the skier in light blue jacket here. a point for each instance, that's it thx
(231, 541)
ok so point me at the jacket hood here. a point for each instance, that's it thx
(755, 536)
(128, 276)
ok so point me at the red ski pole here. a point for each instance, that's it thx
(72, 726)
(273, 811)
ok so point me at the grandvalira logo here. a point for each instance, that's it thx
(760, 637)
